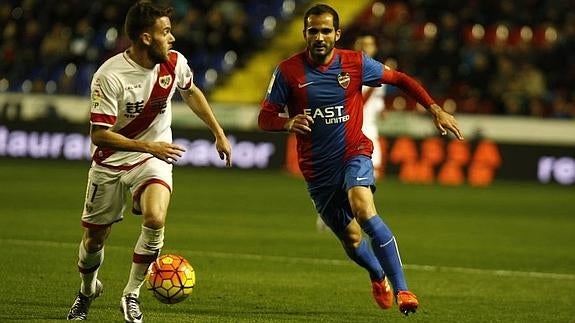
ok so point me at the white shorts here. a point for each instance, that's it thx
(373, 134)
(107, 189)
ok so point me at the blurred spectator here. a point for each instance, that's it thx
(562, 108)
(506, 57)
(53, 46)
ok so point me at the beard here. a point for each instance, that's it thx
(156, 54)
(320, 53)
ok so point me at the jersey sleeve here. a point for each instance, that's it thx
(104, 105)
(272, 115)
(372, 71)
(184, 74)
(278, 90)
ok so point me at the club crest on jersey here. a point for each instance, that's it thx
(165, 81)
(343, 79)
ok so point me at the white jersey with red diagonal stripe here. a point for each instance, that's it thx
(135, 102)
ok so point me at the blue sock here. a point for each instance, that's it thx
(363, 256)
(385, 249)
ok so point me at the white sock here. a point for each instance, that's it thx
(88, 265)
(146, 251)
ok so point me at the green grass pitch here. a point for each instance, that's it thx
(505, 253)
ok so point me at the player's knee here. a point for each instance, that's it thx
(154, 204)
(93, 244)
(362, 217)
(363, 211)
(94, 239)
(351, 241)
(154, 218)
(154, 222)
(351, 238)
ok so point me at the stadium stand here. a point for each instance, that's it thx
(240, 86)
(54, 46)
(507, 57)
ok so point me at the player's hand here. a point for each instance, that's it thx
(445, 121)
(224, 150)
(299, 124)
(167, 152)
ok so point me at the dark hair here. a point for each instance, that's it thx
(319, 9)
(142, 16)
(362, 34)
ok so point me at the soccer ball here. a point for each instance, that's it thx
(171, 279)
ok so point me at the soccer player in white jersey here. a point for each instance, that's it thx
(132, 149)
(373, 104)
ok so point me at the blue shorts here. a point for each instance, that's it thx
(330, 199)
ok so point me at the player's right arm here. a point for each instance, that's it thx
(269, 118)
(103, 137)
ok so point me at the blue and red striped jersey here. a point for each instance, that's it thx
(331, 95)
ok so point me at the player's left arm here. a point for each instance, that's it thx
(196, 100)
(374, 71)
(442, 119)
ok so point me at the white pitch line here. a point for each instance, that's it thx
(493, 272)
(315, 261)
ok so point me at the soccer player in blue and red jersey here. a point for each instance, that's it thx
(320, 89)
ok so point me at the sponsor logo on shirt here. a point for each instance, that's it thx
(133, 87)
(329, 115)
(159, 104)
(133, 109)
(302, 85)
